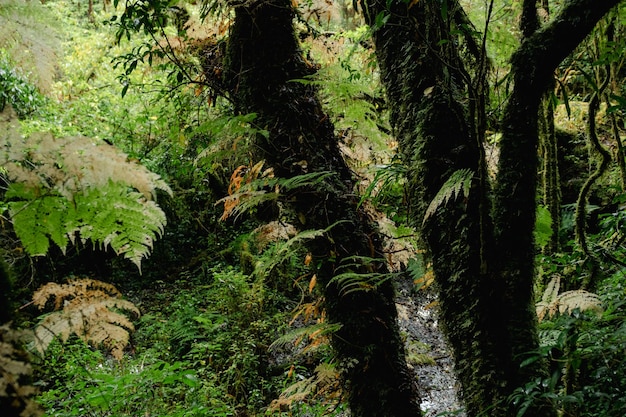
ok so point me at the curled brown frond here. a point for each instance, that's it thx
(87, 308)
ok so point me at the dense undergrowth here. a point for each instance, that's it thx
(218, 296)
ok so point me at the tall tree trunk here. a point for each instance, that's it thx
(486, 290)
(424, 81)
(263, 59)
(533, 65)
(551, 176)
(6, 310)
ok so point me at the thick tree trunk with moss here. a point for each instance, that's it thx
(533, 65)
(424, 81)
(263, 60)
(486, 290)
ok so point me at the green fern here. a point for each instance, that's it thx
(384, 177)
(459, 183)
(255, 191)
(63, 189)
(355, 278)
(304, 334)
(110, 216)
(283, 249)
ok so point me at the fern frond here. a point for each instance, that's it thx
(552, 302)
(305, 334)
(72, 164)
(349, 282)
(325, 383)
(358, 276)
(578, 299)
(63, 187)
(110, 215)
(87, 308)
(124, 220)
(282, 250)
(384, 176)
(458, 184)
(249, 187)
(552, 289)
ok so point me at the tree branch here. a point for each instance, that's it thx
(542, 51)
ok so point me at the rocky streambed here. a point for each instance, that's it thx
(427, 352)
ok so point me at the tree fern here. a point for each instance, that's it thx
(63, 189)
(458, 184)
(90, 309)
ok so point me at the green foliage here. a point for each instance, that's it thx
(223, 330)
(587, 373)
(543, 226)
(457, 185)
(250, 188)
(16, 90)
(83, 383)
(386, 190)
(354, 274)
(202, 352)
(76, 188)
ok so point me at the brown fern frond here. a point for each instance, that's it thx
(73, 164)
(242, 175)
(553, 303)
(89, 309)
(79, 288)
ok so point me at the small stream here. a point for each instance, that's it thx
(428, 353)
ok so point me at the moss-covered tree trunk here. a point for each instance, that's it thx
(6, 312)
(533, 65)
(423, 76)
(263, 60)
(484, 268)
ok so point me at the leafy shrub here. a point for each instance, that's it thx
(585, 354)
(16, 90)
(81, 382)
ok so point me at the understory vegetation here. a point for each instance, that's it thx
(152, 263)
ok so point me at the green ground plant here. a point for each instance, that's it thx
(16, 90)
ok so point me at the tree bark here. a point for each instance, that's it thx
(263, 60)
(6, 310)
(425, 84)
(485, 271)
(533, 65)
